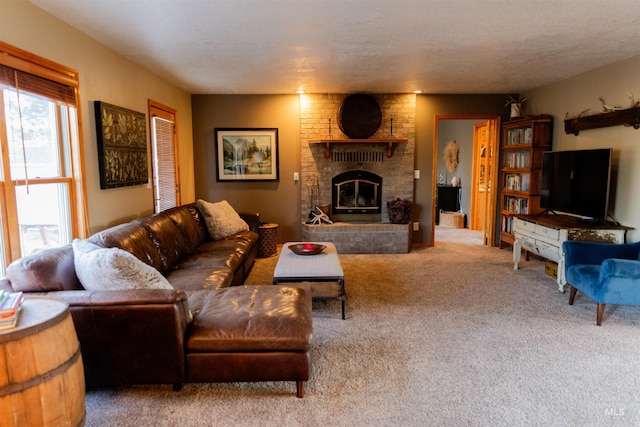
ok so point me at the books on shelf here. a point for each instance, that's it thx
(517, 182)
(507, 224)
(517, 205)
(518, 136)
(517, 159)
(10, 303)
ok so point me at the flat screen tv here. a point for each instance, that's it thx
(577, 182)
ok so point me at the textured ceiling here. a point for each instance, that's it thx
(376, 46)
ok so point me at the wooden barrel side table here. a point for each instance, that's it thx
(268, 242)
(41, 371)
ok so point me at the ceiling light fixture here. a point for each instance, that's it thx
(300, 91)
(417, 91)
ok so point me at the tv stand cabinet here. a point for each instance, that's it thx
(543, 235)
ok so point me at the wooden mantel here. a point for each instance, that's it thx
(390, 142)
(628, 117)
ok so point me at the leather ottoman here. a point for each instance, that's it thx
(250, 333)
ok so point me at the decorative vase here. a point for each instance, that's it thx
(516, 110)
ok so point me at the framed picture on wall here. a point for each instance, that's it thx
(122, 146)
(247, 154)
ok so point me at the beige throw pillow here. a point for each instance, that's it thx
(107, 269)
(221, 219)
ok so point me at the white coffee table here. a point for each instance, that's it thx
(322, 271)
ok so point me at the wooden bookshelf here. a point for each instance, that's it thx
(523, 142)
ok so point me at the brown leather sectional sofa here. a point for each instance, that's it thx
(209, 328)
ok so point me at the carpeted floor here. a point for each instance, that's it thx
(448, 335)
(457, 235)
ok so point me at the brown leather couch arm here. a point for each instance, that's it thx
(122, 297)
(252, 220)
(130, 337)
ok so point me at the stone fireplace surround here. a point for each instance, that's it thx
(318, 114)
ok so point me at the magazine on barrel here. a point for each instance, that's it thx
(10, 309)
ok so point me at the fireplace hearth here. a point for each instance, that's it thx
(357, 238)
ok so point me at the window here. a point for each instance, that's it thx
(166, 186)
(41, 179)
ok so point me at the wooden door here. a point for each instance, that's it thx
(492, 182)
(483, 203)
(480, 171)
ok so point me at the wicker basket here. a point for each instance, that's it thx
(452, 219)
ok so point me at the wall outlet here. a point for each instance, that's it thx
(416, 226)
(416, 173)
(296, 177)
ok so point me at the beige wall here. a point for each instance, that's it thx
(277, 202)
(579, 93)
(104, 76)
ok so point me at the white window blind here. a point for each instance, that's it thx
(164, 164)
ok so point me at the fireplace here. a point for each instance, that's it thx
(356, 196)
(360, 221)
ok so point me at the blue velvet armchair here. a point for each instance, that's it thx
(607, 273)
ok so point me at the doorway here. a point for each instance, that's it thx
(477, 139)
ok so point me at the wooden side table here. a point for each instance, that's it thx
(41, 371)
(268, 242)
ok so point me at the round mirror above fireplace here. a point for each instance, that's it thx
(359, 116)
